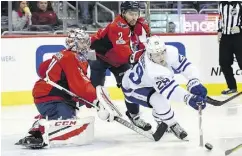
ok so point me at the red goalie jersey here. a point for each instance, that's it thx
(69, 70)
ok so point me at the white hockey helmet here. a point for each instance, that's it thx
(156, 49)
(78, 40)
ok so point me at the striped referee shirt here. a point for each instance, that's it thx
(230, 15)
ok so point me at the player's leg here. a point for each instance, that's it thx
(53, 110)
(225, 61)
(162, 112)
(132, 101)
(56, 110)
(132, 109)
(119, 72)
(98, 71)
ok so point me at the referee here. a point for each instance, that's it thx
(230, 40)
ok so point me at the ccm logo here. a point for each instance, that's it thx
(65, 123)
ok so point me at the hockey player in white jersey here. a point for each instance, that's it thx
(151, 83)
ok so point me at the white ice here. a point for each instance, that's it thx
(222, 127)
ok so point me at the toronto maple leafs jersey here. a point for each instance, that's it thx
(161, 77)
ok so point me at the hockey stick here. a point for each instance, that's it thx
(155, 136)
(47, 80)
(220, 103)
(105, 97)
(233, 149)
(200, 126)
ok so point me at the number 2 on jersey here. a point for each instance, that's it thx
(136, 76)
(120, 34)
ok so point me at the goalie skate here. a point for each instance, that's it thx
(33, 143)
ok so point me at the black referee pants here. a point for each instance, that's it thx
(229, 45)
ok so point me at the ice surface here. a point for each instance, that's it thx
(222, 128)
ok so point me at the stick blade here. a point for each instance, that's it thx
(160, 131)
(228, 152)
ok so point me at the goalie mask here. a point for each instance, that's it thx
(78, 41)
(156, 50)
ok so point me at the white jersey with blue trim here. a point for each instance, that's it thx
(161, 77)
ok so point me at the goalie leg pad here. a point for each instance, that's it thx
(60, 133)
(66, 132)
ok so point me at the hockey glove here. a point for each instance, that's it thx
(194, 101)
(103, 113)
(134, 57)
(195, 87)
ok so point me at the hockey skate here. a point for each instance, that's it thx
(34, 141)
(35, 138)
(178, 131)
(135, 119)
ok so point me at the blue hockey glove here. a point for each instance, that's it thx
(194, 101)
(195, 87)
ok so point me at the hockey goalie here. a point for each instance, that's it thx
(63, 78)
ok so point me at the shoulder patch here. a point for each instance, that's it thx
(122, 25)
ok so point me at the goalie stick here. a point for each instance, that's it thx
(220, 103)
(153, 136)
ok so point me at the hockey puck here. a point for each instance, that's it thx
(209, 146)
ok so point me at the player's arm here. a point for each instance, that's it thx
(167, 87)
(188, 70)
(43, 68)
(181, 64)
(99, 41)
(142, 30)
(78, 82)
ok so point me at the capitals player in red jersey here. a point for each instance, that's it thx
(117, 46)
(67, 70)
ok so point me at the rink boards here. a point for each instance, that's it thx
(22, 55)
